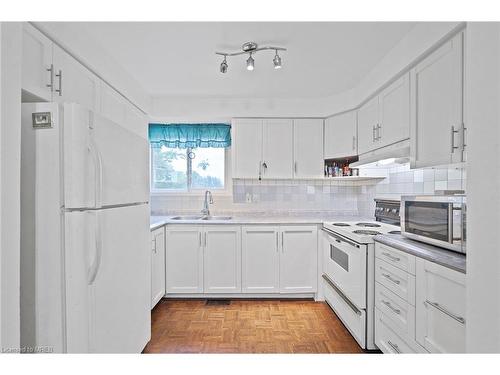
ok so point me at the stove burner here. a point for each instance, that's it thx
(365, 231)
(368, 225)
(394, 232)
(341, 224)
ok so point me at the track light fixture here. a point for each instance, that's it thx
(251, 48)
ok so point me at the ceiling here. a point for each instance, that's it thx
(178, 58)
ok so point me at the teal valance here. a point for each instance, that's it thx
(190, 135)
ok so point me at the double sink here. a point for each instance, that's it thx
(201, 217)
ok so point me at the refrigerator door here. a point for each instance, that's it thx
(107, 261)
(104, 163)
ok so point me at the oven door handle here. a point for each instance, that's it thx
(339, 238)
(342, 295)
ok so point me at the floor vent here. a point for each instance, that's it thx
(218, 302)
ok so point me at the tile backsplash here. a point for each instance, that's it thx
(327, 196)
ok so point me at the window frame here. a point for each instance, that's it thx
(227, 190)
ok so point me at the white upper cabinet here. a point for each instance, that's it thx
(368, 121)
(437, 106)
(277, 150)
(440, 308)
(246, 148)
(37, 70)
(260, 259)
(298, 259)
(73, 82)
(184, 259)
(341, 136)
(394, 115)
(222, 259)
(308, 148)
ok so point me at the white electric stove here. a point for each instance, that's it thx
(349, 269)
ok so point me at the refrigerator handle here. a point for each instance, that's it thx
(96, 264)
(96, 156)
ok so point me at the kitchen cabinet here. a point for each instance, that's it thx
(298, 259)
(260, 259)
(222, 259)
(184, 259)
(277, 148)
(308, 148)
(37, 68)
(437, 125)
(367, 125)
(385, 119)
(73, 82)
(247, 148)
(341, 139)
(440, 308)
(157, 265)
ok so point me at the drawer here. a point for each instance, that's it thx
(353, 318)
(398, 311)
(396, 280)
(388, 341)
(397, 258)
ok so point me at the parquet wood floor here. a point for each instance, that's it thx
(248, 326)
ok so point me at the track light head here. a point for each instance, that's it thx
(277, 61)
(250, 62)
(223, 66)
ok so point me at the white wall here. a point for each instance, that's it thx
(483, 212)
(10, 153)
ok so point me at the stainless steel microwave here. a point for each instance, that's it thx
(439, 220)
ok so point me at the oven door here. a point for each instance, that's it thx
(345, 265)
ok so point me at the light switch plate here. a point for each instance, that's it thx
(42, 120)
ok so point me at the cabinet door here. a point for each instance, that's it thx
(136, 120)
(341, 136)
(308, 148)
(298, 259)
(247, 148)
(368, 120)
(73, 82)
(436, 119)
(37, 75)
(112, 104)
(157, 265)
(277, 151)
(440, 308)
(184, 259)
(394, 107)
(260, 259)
(222, 259)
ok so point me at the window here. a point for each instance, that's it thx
(186, 169)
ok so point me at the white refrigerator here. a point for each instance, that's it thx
(85, 259)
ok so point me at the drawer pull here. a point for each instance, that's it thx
(394, 347)
(388, 304)
(445, 311)
(392, 257)
(388, 277)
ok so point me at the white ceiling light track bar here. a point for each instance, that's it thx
(251, 48)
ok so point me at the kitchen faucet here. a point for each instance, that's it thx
(206, 211)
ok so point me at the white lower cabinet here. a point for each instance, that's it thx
(389, 340)
(298, 259)
(184, 259)
(440, 308)
(260, 259)
(157, 265)
(222, 259)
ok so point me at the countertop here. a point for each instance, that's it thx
(158, 221)
(447, 258)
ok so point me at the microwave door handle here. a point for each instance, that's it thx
(450, 223)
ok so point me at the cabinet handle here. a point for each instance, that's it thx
(394, 347)
(453, 147)
(379, 128)
(464, 129)
(445, 311)
(295, 167)
(154, 245)
(205, 239)
(277, 243)
(51, 84)
(199, 238)
(388, 304)
(391, 257)
(353, 142)
(282, 242)
(60, 76)
(373, 134)
(388, 277)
